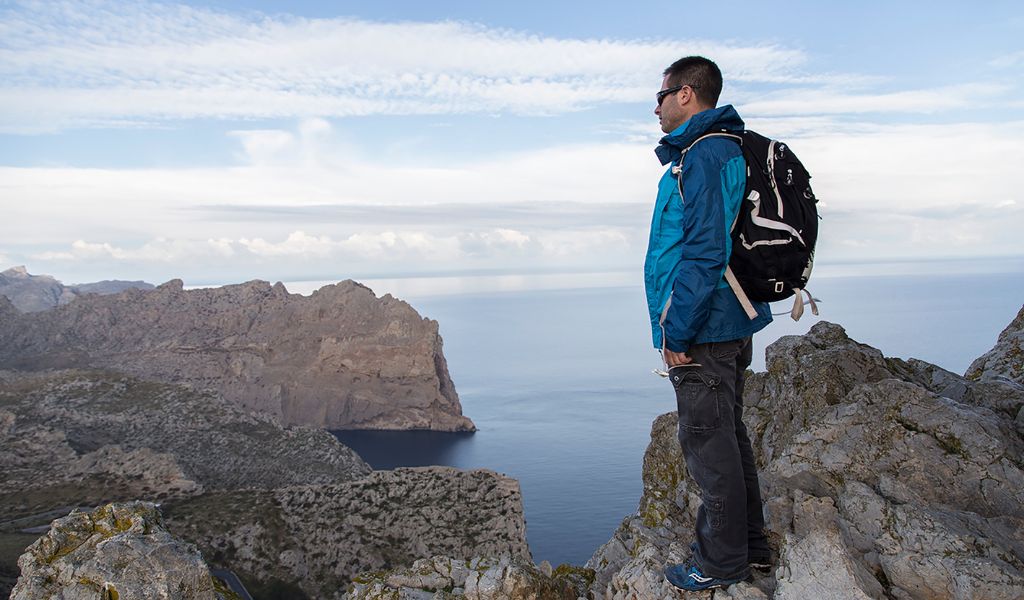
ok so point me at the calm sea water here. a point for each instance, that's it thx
(559, 381)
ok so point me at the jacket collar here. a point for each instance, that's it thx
(673, 144)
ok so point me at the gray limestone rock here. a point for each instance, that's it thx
(77, 438)
(320, 536)
(1006, 359)
(339, 359)
(500, 578)
(115, 551)
(882, 478)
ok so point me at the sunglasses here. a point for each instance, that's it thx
(660, 96)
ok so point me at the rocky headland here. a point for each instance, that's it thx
(883, 478)
(338, 359)
(33, 293)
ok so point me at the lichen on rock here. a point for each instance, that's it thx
(117, 551)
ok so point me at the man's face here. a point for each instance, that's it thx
(673, 110)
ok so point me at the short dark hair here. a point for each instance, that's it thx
(699, 73)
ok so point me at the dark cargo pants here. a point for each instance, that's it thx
(709, 397)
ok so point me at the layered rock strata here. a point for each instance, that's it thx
(33, 293)
(339, 359)
(883, 478)
(320, 536)
(116, 551)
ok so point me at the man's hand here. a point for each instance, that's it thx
(674, 359)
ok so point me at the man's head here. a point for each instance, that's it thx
(691, 84)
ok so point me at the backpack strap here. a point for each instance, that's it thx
(730, 277)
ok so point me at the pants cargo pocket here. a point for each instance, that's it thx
(697, 400)
(714, 511)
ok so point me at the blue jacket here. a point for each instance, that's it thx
(689, 246)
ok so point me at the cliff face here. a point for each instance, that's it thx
(33, 293)
(883, 478)
(340, 359)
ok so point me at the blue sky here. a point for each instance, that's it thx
(222, 141)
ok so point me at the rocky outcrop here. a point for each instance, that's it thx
(883, 478)
(284, 507)
(339, 359)
(1006, 359)
(83, 438)
(33, 293)
(321, 536)
(501, 578)
(115, 551)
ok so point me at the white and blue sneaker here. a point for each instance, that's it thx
(688, 577)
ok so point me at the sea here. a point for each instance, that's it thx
(556, 372)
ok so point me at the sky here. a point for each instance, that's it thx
(223, 141)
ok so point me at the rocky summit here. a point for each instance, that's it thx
(118, 551)
(33, 293)
(339, 359)
(882, 478)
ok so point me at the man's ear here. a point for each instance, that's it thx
(683, 96)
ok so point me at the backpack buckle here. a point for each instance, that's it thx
(779, 285)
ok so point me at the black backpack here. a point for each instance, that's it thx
(776, 229)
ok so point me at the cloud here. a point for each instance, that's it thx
(304, 203)
(809, 102)
(104, 63)
(384, 248)
(1008, 60)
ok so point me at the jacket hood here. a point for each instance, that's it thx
(672, 145)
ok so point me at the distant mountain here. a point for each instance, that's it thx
(34, 293)
(339, 359)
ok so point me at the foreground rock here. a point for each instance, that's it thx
(77, 438)
(339, 359)
(502, 578)
(1006, 359)
(321, 536)
(286, 508)
(883, 478)
(116, 551)
(33, 293)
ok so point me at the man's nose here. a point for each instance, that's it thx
(657, 110)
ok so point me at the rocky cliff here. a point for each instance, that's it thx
(33, 293)
(339, 359)
(883, 478)
(116, 551)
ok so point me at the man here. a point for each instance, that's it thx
(699, 325)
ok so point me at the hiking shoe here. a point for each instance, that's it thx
(762, 563)
(688, 577)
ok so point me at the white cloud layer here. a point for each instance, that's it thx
(909, 191)
(103, 63)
